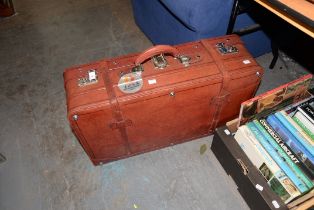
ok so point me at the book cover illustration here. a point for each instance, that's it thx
(275, 99)
(275, 184)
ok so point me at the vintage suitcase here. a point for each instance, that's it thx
(166, 95)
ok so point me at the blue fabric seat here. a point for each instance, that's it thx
(178, 21)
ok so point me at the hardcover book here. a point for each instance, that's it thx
(304, 123)
(298, 136)
(308, 112)
(299, 129)
(278, 159)
(293, 157)
(278, 181)
(280, 151)
(291, 109)
(275, 99)
(290, 140)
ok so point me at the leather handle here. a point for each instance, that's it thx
(156, 50)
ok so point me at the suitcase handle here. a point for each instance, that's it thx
(156, 50)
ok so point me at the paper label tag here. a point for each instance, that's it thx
(275, 203)
(246, 61)
(227, 132)
(259, 187)
(91, 75)
(130, 83)
(152, 81)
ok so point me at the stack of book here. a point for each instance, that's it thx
(276, 132)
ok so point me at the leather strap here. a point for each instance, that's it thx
(217, 59)
(223, 95)
(116, 112)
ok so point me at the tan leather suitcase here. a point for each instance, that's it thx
(166, 95)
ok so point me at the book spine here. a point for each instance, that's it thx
(302, 133)
(304, 120)
(304, 127)
(281, 143)
(303, 111)
(292, 108)
(259, 136)
(283, 154)
(295, 133)
(276, 178)
(289, 139)
(308, 110)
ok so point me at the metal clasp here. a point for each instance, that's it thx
(172, 94)
(185, 60)
(226, 49)
(138, 68)
(159, 61)
(91, 78)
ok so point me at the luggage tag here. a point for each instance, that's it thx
(131, 82)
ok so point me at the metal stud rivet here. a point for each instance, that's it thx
(75, 117)
(172, 93)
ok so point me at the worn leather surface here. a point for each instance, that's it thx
(175, 104)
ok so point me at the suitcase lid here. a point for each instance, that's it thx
(148, 75)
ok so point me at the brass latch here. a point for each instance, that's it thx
(91, 78)
(226, 49)
(159, 61)
(185, 60)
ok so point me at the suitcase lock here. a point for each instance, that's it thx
(159, 61)
(90, 79)
(226, 49)
(138, 68)
(185, 60)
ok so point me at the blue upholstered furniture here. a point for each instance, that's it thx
(178, 21)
